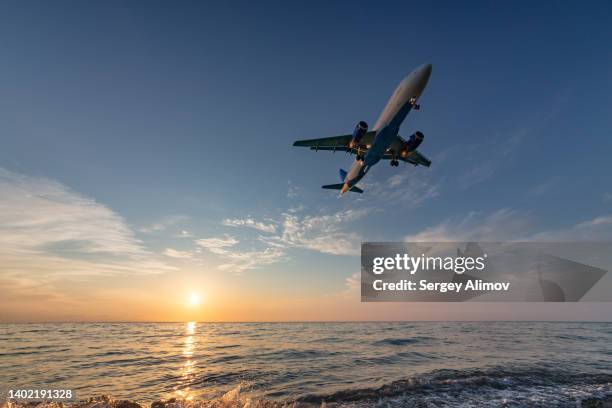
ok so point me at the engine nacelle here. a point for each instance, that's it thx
(360, 130)
(413, 142)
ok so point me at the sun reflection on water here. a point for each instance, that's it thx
(183, 389)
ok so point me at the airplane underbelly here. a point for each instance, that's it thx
(354, 171)
(384, 138)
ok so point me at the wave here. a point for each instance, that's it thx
(403, 341)
(493, 387)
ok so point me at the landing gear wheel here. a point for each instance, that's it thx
(394, 163)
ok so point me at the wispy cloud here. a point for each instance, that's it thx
(175, 253)
(241, 261)
(264, 226)
(322, 233)
(218, 245)
(237, 259)
(353, 282)
(293, 191)
(164, 223)
(595, 229)
(501, 225)
(48, 229)
(184, 234)
(408, 188)
(511, 225)
(544, 187)
(483, 160)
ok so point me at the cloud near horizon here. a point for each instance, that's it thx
(48, 229)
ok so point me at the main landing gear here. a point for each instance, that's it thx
(394, 163)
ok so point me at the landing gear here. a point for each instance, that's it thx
(393, 162)
(415, 106)
(359, 158)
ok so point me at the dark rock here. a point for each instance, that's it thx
(605, 402)
(126, 404)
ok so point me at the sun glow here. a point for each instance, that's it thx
(193, 299)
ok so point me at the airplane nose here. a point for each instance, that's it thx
(425, 71)
(423, 74)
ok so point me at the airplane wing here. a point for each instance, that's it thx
(339, 143)
(414, 157)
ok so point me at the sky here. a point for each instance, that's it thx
(146, 151)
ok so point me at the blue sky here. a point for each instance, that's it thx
(176, 120)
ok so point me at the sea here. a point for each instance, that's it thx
(386, 364)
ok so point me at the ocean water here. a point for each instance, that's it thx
(343, 364)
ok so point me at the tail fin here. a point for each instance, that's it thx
(342, 175)
(354, 189)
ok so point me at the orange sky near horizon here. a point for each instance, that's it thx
(163, 301)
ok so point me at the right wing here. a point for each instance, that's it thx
(416, 158)
(413, 157)
(340, 143)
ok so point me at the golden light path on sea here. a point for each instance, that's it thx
(183, 389)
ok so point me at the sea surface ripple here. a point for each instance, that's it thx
(347, 364)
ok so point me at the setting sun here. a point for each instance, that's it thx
(194, 299)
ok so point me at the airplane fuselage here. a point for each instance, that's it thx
(388, 124)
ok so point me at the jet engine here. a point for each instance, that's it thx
(413, 142)
(360, 130)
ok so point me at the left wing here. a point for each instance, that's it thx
(340, 143)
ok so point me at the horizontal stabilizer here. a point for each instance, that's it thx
(354, 189)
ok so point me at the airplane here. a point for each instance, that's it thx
(383, 141)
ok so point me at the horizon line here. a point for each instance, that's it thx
(297, 321)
